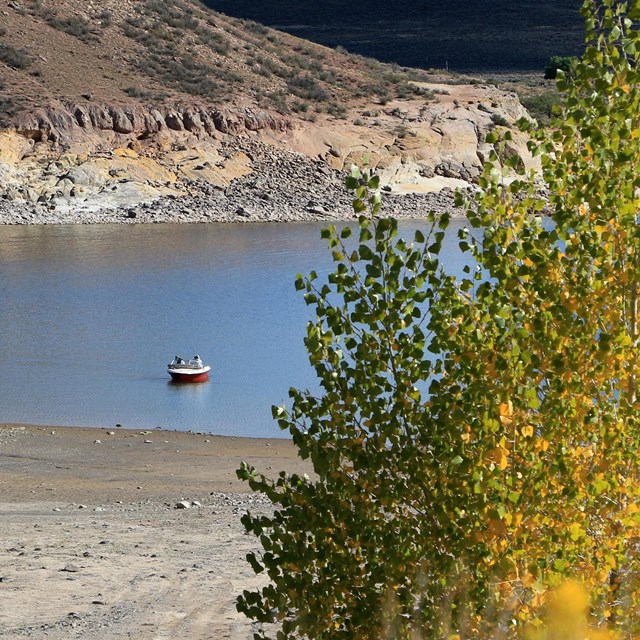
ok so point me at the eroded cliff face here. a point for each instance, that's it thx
(244, 163)
(68, 125)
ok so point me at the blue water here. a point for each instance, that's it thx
(91, 315)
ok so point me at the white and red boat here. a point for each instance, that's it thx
(193, 370)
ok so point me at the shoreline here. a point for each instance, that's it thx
(203, 209)
(117, 533)
(30, 426)
(153, 461)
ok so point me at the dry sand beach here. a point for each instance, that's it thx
(93, 544)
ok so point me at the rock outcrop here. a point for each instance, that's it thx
(65, 124)
(94, 162)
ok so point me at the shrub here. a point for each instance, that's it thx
(337, 110)
(106, 18)
(306, 87)
(541, 106)
(300, 107)
(499, 120)
(16, 58)
(278, 99)
(255, 27)
(214, 40)
(401, 131)
(566, 64)
(73, 25)
(406, 90)
(137, 92)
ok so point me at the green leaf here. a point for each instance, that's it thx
(352, 183)
(255, 565)
(359, 206)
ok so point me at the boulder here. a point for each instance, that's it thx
(87, 175)
(174, 121)
(121, 121)
(192, 121)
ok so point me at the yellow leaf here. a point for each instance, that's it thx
(506, 409)
(527, 580)
(527, 431)
(572, 303)
(576, 531)
(538, 599)
(543, 444)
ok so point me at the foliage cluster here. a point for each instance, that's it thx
(76, 26)
(255, 27)
(16, 58)
(565, 64)
(475, 441)
(169, 63)
(81, 27)
(499, 120)
(173, 14)
(307, 88)
(106, 18)
(151, 96)
(541, 105)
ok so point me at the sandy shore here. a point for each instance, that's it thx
(93, 545)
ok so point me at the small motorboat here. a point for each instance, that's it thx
(193, 370)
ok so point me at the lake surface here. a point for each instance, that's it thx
(91, 315)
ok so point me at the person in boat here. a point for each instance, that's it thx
(178, 360)
(197, 361)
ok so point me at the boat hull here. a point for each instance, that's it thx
(189, 375)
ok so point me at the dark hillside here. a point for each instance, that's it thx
(465, 35)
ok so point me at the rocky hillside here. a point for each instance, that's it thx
(154, 110)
